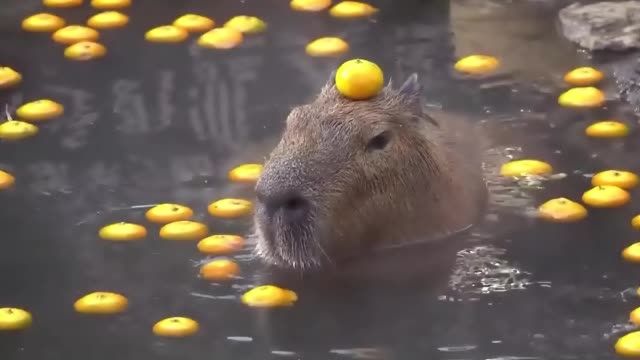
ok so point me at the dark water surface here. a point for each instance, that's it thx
(164, 123)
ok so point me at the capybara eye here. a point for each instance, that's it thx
(379, 141)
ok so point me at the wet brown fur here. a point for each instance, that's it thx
(425, 184)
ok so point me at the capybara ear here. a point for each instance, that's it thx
(411, 87)
(329, 88)
(411, 93)
(389, 85)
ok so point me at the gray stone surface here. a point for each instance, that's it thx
(627, 77)
(603, 25)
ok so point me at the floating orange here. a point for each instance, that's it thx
(9, 77)
(620, 178)
(71, 34)
(562, 210)
(194, 23)
(166, 213)
(110, 4)
(108, 20)
(607, 129)
(582, 97)
(101, 302)
(326, 47)
(219, 270)
(166, 34)
(221, 244)
(176, 327)
(269, 296)
(220, 38)
(123, 231)
(606, 196)
(43, 22)
(184, 230)
(85, 51)
(62, 3)
(12, 319)
(17, 130)
(583, 76)
(245, 173)
(230, 208)
(352, 10)
(40, 110)
(246, 24)
(6, 180)
(309, 5)
(477, 64)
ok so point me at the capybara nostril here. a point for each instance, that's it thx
(295, 208)
(290, 205)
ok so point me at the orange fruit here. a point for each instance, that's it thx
(628, 345)
(62, 3)
(176, 327)
(166, 34)
(9, 77)
(562, 210)
(184, 230)
(220, 38)
(309, 5)
(246, 24)
(582, 97)
(221, 244)
(194, 23)
(245, 173)
(525, 167)
(606, 196)
(101, 302)
(230, 208)
(43, 22)
(620, 178)
(6, 180)
(219, 270)
(269, 296)
(110, 4)
(108, 20)
(607, 129)
(326, 47)
(12, 319)
(583, 76)
(85, 51)
(477, 64)
(166, 213)
(122, 231)
(359, 79)
(352, 10)
(17, 130)
(71, 34)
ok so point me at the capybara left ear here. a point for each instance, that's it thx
(329, 87)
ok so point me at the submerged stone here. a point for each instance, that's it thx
(603, 25)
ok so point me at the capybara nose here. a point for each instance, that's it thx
(290, 205)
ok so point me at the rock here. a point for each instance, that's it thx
(603, 25)
(627, 77)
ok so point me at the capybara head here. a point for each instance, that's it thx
(349, 175)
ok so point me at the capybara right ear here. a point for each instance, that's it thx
(411, 86)
(410, 94)
(329, 87)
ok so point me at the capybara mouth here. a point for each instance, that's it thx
(288, 243)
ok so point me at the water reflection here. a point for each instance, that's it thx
(151, 124)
